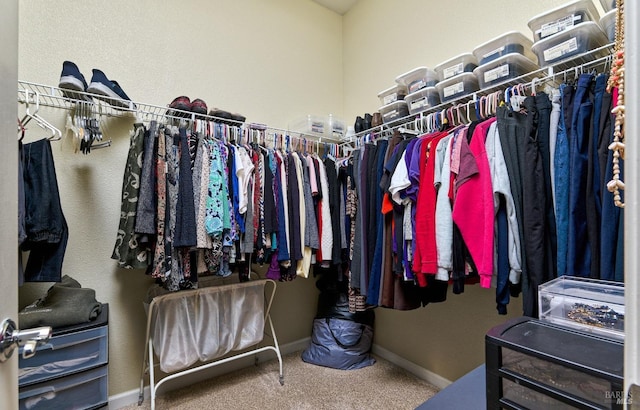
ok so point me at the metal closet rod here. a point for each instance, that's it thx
(584, 62)
(50, 96)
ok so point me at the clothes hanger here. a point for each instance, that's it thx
(21, 130)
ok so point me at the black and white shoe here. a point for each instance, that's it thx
(108, 90)
(72, 82)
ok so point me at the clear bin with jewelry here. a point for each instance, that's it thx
(590, 305)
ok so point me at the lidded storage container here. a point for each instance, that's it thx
(422, 99)
(391, 94)
(417, 78)
(590, 305)
(507, 43)
(463, 63)
(457, 86)
(503, 69)
(608, 24)
(393, 111)
(569, 43)
(563, 18)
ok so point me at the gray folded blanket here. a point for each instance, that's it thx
(66, 303)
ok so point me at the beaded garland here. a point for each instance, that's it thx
(616, 81)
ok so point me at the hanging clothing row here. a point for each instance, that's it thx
(202, 200)
(516, 198)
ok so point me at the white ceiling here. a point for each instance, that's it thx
(339, 6)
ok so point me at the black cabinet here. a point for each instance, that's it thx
(531, 364)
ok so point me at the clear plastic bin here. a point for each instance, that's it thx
(563, 18)
(311, 124)
(608, 24)
(66, 354)
(393, 111)
(608, 5)
(422, 99)
(335, 127)
(503, 69)
(417, 78)
(463, 63)
(391, 94)
(457, 86)
(572, 42)
(507, 43)
(590, 305)
(86, 390)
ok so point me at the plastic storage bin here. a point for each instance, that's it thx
(608, 24)
(608, 4)
(563, 18)
(463, 63)
(86, 390)
(422, 99)
(395, 93)
(574, 41)
(53, 359)
(507, 43)
(313, 124)
(589, 305)
(417, 78)
(335, 127)
(393, 111)
(457, 86)
(503, 69)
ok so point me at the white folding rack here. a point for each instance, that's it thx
(195, 296)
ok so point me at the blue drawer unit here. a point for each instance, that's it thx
(85, 390)
(64, 355)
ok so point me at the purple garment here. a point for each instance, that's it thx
(413, 167)
(274, 268)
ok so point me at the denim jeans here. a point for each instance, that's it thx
(561, 165)
(594, 188)
(578, 249)
(45, 225)
(375, 280)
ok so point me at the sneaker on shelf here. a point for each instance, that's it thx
(238, 118)
(198, 106)
(72, 81)
(181, 103)
(108, 90)
(221, 115)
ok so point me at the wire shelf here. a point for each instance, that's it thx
(593, 60)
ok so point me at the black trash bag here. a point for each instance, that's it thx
(340, 344)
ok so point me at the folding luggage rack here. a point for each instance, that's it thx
(204, 324)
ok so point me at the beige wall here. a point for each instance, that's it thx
(271, 60)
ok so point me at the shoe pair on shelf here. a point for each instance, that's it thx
(183, 107)
(73, 85)
(226, 117)
(369, 121)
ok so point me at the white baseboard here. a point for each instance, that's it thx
(130, 397)
(424, 374)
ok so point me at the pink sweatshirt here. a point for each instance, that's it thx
(473, 205)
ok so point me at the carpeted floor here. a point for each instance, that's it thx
(382, 386)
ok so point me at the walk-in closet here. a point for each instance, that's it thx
(319, 204)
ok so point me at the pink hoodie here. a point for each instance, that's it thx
(473, 205)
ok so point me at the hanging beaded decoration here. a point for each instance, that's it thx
(616, 81)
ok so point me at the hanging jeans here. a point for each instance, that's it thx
(561, 165)
(594, 187)
(45, 225)
(578, 249)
